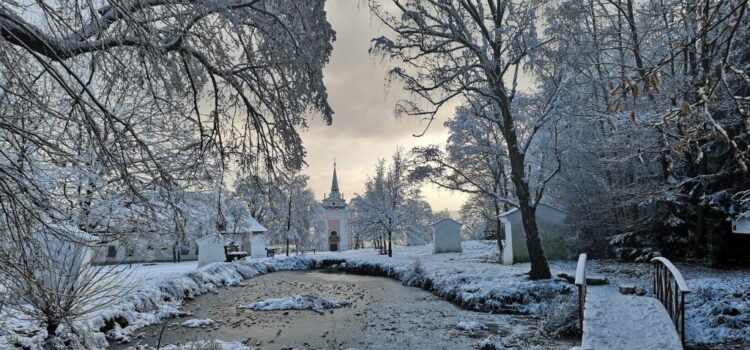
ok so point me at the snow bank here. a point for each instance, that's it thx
(198, 323)
(297, 302)
(492, 343)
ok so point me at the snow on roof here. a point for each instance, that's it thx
(67, 232)
(213, 236)
(251, 225)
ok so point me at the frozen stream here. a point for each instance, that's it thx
(383, 315)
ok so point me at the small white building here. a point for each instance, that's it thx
(66, 248)
(446, 236)
(550, 222)
(336, 216)
(741, 225)
(211, 249)
(251, 236)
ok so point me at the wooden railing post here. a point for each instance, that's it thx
(581, 284)
(670, 288)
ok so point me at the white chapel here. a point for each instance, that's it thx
(336, 215)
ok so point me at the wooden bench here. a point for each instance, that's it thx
(270, 252)
(232, 252)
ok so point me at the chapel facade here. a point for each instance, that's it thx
(336, 215)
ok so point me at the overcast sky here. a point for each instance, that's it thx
(364, 127)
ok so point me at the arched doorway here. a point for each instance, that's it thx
(333, 241)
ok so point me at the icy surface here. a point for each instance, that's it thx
(297, 302)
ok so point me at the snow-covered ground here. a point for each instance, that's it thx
(717, 310)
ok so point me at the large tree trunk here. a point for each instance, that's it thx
(539, 265)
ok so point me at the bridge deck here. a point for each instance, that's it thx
(614, 321)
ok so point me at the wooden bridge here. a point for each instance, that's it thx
(611, 320)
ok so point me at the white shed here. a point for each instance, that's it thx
(251, 236)
(211, 249)
(446, 236)
(741, 225)
(68, 250)
(550, 222)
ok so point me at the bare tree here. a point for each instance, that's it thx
(50, 276)
(474, 50)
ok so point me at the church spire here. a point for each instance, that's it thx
(334, 200)
(335, 182)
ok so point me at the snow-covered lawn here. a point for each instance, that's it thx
(472, 279)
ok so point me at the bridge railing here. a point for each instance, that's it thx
(670, 288)
(581, 284)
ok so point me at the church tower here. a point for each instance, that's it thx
(336, 215)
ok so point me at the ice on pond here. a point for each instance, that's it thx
(297, 302)
(195, 323)
(470, 326)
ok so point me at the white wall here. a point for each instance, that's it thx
(211, 249)
(258, 246)
(741, 226)
(446, 236)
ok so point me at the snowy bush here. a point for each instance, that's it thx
(416, 275)
(559, 316)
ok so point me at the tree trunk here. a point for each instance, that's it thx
(699, 241)
(499, 233)
(390, 247)
(52, 328)
(539, 265)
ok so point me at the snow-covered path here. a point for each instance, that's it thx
(615, 321)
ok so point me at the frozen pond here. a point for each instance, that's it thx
(383, 314)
